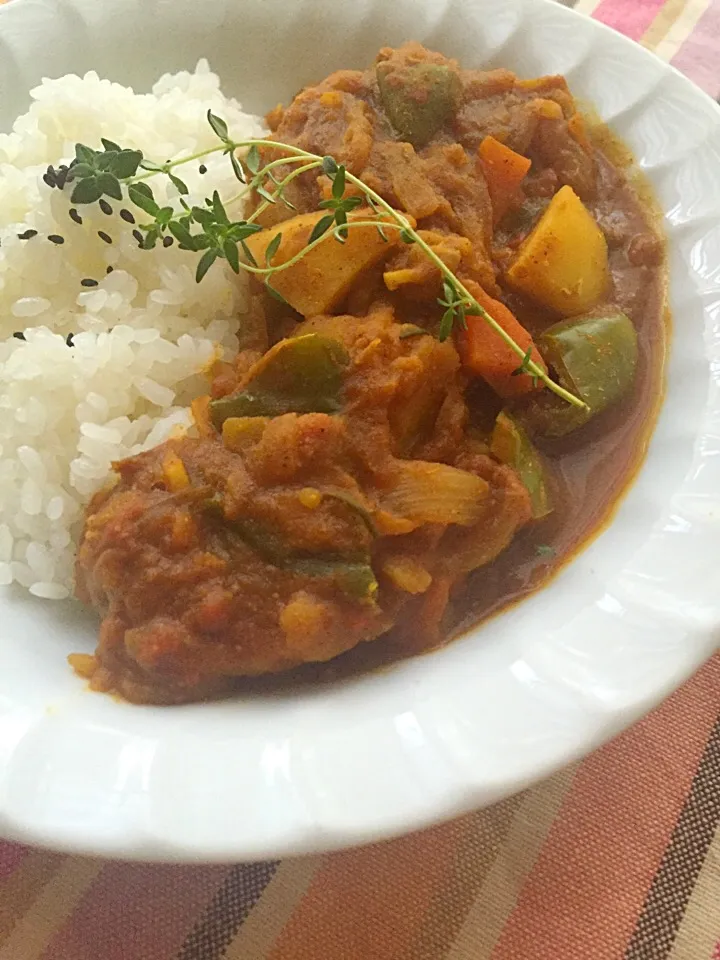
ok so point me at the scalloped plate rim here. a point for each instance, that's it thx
(430, 730)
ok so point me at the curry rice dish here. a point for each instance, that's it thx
(378, 465)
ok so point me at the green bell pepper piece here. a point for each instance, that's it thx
(298, 375)
(595, 357)
(418, 98)
(510, 444)
(356, 579)
(353, 575)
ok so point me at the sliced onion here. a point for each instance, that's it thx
(435, 493)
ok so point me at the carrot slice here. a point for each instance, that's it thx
(504, 170)
(485, 354)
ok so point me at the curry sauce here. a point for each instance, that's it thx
(422, 424)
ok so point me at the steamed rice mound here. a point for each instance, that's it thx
(140, 338)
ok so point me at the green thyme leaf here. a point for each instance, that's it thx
(110, 186)
(79, 170)
(218, 208)
(338, 187)
(84, 154)
(231, 255)
(262, 192)
(248, 254)
(242, 229)
(151, 166)
(321, 227)
(329, 166)
(125, 163)
(450, 293)
(86, 191)
(410, 330)
(142, 196)
(179, 184)
(407, 237)
(446, 324)
(281, 196)
(164, 216)
(151, 238)
(109, 145)
(252, 160)
(206, 218)
(182, 234)
(523, 368)
(219, 128)
(272, 248)
(237, 167)
(103, 160)
(204, 264)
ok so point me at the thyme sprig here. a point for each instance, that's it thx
(210, 230)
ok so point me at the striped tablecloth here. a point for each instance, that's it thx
(617, 858)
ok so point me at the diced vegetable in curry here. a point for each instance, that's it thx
(391, 456)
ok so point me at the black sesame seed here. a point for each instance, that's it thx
(19, 335)
(105, 206)
(28, 235)
(167, 241)
(138, 236)
(74, 215)
(127, 216)
(56, 238)
(109, 269)
(104, 236)
(69, 339)
(88, 282)
(202, 168)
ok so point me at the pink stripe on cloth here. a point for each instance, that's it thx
(631, 17)
(11, 856)
(589, 883)
(698, 56)
(136, 912)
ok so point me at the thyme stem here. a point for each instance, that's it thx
(221, 236)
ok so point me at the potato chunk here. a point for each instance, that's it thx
(563, 263)
(319, 281)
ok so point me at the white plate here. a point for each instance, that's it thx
(546, 682)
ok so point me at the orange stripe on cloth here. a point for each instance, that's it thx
(273, 910)
(480, 841)
(52, 906)
(19, 889)
(369, 904)
(498, 895)
(588, 887)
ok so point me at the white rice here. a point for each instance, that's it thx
(141, 337)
